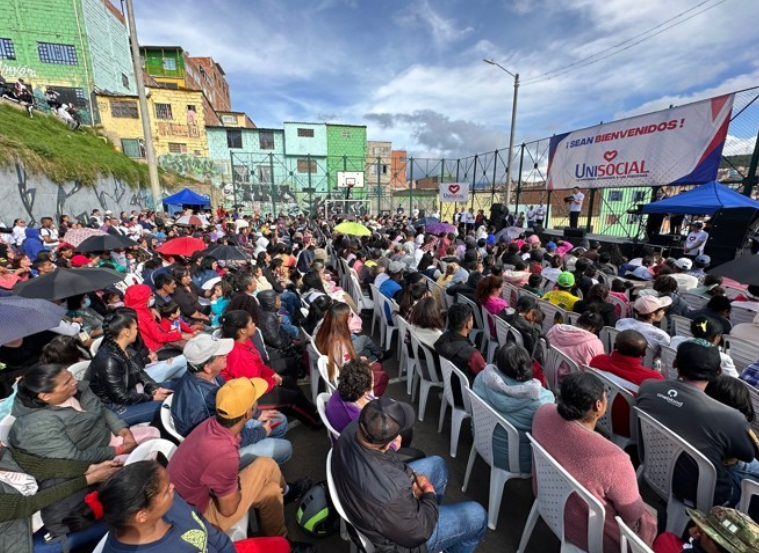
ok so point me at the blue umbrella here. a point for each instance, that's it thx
(21, 317)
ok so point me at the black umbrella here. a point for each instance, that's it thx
(225, 253)
(105, 243)
(64, 283)
(745, 269)
(21, 317)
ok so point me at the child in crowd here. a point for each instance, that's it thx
(220, 298)
(171, 319)
(533, 284)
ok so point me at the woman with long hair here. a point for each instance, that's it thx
(244, 361)
(205, 271)
(488, 294)
(334, 340)
(426, 321)
(595, 300)
(187, 295)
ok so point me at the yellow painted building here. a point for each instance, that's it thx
(176, 117)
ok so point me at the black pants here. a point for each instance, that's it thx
(574, 218)
(290, 399)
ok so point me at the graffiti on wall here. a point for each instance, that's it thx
(201, 168)
(17, 71)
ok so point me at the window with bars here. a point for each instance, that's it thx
(234, 139)
(639, 196)
(304, 166)
(71, 95)
(163, 111)
(346, 134)
(63, 54)
(177, 148)
(266, 140)
(126, 109)
(306, 133)
(169, 64)
(125, 81)
(7, 50)
(615, 195)
(133, 147)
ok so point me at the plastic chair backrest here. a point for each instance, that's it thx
(694, 302)
(742, 352)
(487, 319)
(660, 449)
(452, 376)
(403, 329)
(368, 547)
(754, 393)
(427, 360)
(485, 420)
(605, 424)
(507, 333)
(551, 311)
(667, 357)
(557, 485)
(572, 318)
(475, 309)
(168, 420)
(78, 370)
(629, 540)
(555, 360)
(739, 314)
(375, 295)
(511, 293)
(101, 545)
(321, 406)
(618, 303)
(608, 335)
(95, 346)
(149, 450)
(5, 428)
(323, 364)
(681, 325)
(749, 490)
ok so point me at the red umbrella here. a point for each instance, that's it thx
(184, 246)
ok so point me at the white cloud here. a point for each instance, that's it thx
(443, 30)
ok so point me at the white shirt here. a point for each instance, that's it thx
(685, 281)
(415, 213)
(577, 200)
(52, 233)
(540, 212)
(530, 215)
(655, 336)
(693, 238)
(19, 234)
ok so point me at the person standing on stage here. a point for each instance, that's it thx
(540, 214)
(696, 239)
(575, 207)
(531, 216)
(655, 220)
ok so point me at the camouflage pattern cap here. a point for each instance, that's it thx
(729, 528)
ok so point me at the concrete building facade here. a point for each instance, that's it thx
(306, 154)
(346, 151)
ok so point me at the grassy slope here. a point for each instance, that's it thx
(47, 146)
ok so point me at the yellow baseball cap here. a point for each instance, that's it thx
(237, 396)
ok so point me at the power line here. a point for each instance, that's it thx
(590, 61)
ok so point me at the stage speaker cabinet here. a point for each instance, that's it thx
(538, 229)
(720, 254)
(422, 213)
(570, 232)
(496, 216)
(730, 227)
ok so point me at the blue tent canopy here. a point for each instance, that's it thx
(187, 197)
(707, 199)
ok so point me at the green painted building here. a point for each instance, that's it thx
(74, 46)
(165, 64)
(346, 151)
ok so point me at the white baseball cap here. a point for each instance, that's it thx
(684, 263)
(204, 346)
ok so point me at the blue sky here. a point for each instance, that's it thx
(412, 71)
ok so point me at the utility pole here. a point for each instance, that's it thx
(507, 193)
(155, 185)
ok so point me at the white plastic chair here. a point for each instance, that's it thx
(150, 449)
(629, 541)
(681, 326)
(323, 365)
(5, 428)
(101, 545)
(167, 420)
(95, 346)
(659, 449)
(78, 370)
(749, 490)
(313, 367)
(486, 420)
(754, 393)
(606, 424)
(554, 361)
(555, 485)
(608, 336)
(506, 333)
(321, 406)
(406, 361)
(490, 340)
(616, 302)
(460, 412)
(694, 301)
(551, 311)
(365, 543)
(427, 372)
(377, 305)
(572, 318)
(477, 330)
(511, 293)
(667, 357)
(742, 352)
(739, 314)
(388, 328)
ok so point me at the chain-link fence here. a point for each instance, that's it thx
(279, 183)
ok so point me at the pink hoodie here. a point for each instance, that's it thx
(579, 345)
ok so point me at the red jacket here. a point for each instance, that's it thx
(244, 361)
(153, 335)
(630, 369)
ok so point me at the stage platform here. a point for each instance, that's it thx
(553, 234)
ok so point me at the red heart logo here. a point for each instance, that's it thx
(453, 188)
(610, 155)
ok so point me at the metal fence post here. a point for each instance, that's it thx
(588, 224)
(273, 191)
(548, 210)
(495, 169)
(411, 186)
(474, 181)
(519, 179)
(379, 185)
(750, 181)
(234, 180)
(310, 188)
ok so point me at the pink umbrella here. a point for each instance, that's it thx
(77, 236)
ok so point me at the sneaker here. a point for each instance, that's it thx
(297, 489)
(301, 547)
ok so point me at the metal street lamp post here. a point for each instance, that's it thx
(507, 194)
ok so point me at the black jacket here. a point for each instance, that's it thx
(114, 377)
(531, 335)
(457, 349)
(268, 321)
(375, 490)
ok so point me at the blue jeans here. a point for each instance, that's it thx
(147, 411)
(460, 527)
(171, 369)
(290, 302)
(274, 445)
(739, 471)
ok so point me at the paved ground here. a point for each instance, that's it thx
(311, 449)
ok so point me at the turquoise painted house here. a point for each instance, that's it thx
(306, 155)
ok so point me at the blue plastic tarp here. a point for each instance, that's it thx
(707, 199)
(187, 197)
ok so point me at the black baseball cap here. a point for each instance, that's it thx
(383, 419)
(696, 361)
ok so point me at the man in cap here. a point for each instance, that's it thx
(204, 469)
(195, 401)
(563, 296)
(722, 530)
(649, 311)
(394, 504)
(699, 267)
(685, 281)
(719, 431)
(392, 285)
